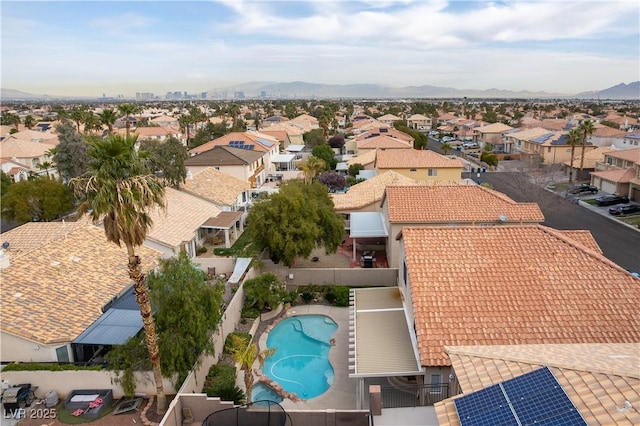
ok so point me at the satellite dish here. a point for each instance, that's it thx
(5, 245)
(502, 218)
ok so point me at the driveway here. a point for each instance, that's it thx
(619, 242)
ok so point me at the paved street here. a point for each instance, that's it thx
(619, 243)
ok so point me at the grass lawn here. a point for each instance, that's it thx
(631, 220)
(591, 201)
(238, 246)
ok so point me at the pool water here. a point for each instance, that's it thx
(301, 361)
(262, 392)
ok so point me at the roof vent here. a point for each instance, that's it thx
(502, 218)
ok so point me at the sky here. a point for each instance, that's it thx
(91, 48)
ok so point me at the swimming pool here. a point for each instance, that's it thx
(262, 392)
(301, 361)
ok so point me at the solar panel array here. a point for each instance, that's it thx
(240, 145)
(535, 398)
(265, 142)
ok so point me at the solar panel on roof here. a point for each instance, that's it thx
(265, 142)
(533, 398)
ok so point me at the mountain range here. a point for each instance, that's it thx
(304, 90)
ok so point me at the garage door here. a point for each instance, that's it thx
(609, 187)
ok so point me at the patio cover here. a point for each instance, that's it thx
(241, 266)
(114, 327)
(382, 343)
(224, 220)
(284, 158)
(294, 148)
(367, 225)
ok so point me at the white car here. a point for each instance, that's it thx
(468, 145)
(448, 139)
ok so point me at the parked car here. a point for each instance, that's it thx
(611, 200)
(468, 145)
(448, 139)
(624, 209)
(584, 187)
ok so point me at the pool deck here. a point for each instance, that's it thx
(342, 393)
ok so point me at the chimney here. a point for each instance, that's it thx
(4, 260)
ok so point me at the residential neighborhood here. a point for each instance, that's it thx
(362, 235)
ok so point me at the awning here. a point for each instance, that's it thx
(381, 341)
(241, 266)
(114, 327)
(224, 220)
(294, 148)
(284, 158)
(367, 225)
(342, 166)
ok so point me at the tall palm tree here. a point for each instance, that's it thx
(118, 190)
(29, 121)
(245, 354)
(311, 167)
(185, 121)
(586, 129)
(127, 110)
(108, 117)
(45, 165)
(573, 139)
(446, 147)
(78, 115)
(91, 122)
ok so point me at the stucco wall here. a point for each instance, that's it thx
(355, 277)
(16, 348)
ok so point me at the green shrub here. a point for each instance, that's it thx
(220, 377)
(290, 296)
(307, 297)
(22, 366)
(330, 296)
(342, 296)
(202, 249)
(231, 393)
(250, 313)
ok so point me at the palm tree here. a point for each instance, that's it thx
(29, 122)
(78, 115)
(445, 147)
(119, 191)
(185, 121)
(127, 110)
(311, 167)
(586, 128)
(45, 165)
(573, 139)
(245, 354)
(91, 122)
(108, 117)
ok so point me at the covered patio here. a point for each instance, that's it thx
(368, 234)
(226, 223)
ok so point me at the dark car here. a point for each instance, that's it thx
(611, 200)
(585, 187)
(624, 209)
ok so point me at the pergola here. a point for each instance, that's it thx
(225, 221)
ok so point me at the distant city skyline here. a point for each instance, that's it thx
(91, 48)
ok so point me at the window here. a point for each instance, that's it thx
(432, 172)
(412, 169)
(62, 354)
(436, 382)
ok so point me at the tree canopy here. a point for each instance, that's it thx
(166, 159)
(40, 199)
(294, 221)
(188, 308)
(325, 153)
(333, 180)
(71, 157)
(313, 138)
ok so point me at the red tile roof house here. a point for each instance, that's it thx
(619, 173)
(489, 285)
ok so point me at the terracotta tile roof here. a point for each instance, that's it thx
(500, 285)
(528, 134)
(414, 158)
(16, 148)
(632, 155)
(248, 137)
(216, 186)
(582, 237)
(616, 175)
(144, 132)
(185, 213)
(456, 204)
(52, 293)
(383, 142)
(493, 128)
(553, 124)
(384, 131)
(590, 157)
(609, 132)
(223, 155)
(367, 158)
(388, 117)
(370, 191)
(598, 378)
(35, 234)
(34, 136)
